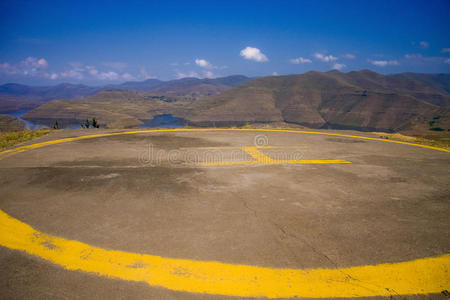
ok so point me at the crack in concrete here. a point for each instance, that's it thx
(320, 253)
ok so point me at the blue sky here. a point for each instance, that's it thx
(100, 42)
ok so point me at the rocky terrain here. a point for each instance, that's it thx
(15, 97)
(8, 123)
(362, 100)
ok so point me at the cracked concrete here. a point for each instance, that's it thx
(390, 205)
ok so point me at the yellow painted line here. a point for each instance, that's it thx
(315, 161)
(43, 144)
(276, 162)
(213, 148)
(242, 147)
(228, 163)
(422, 276)
(281, 147)
(259, 156)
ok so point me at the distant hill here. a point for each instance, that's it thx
(137, 86)
(112, 108)
(14, 96)
(195, 87)
(184, 86)
(362, 100)
(8, 123)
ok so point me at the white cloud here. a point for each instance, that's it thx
(42, 63)
(6, 68)
(325, 58)
(54, 76)
(413, 55)
(143, 74)
(92, 70)
(203, 63)
(37, 67)
(445, 50)
(193, 74)
(77, 66)
(447, 61)
(117, 65)
(419, 58)
(208, 74)
(72, 74)
(275, 74)
(79, 72)
(114, 76)
(255, 54)
(108, 75)
(349, 56)
(33, 63)
(338, 66)
(300, 60)
(180, 75)
(30, 66)
(424, 44)
(383, 63)
(127, 76)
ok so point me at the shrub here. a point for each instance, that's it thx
(56, 125)
(94, 123)
(8, 139)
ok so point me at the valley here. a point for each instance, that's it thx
(416, 104)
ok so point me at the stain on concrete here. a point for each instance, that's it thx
(162, 141)
(345, 141)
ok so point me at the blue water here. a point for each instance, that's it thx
(28, 125)
(159, 121)
(164, 121)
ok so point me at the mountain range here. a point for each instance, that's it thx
(362, 100)
(15, 96)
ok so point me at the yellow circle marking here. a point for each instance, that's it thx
(421, 276)
(43, 144)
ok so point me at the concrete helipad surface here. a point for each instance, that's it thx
(214, 214)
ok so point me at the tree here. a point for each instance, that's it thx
(56, 125)
(87, 123)
(94, 123)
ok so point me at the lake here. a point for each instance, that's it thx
(28, 125)
(164, 121)
(159, 121)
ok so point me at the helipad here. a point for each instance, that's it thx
(212, 213)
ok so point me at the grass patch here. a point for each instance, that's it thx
(8, 139)
(444, 143)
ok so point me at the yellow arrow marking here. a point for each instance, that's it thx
(421, 276)
(261, 158)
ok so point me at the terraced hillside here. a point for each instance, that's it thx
(362, 100)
